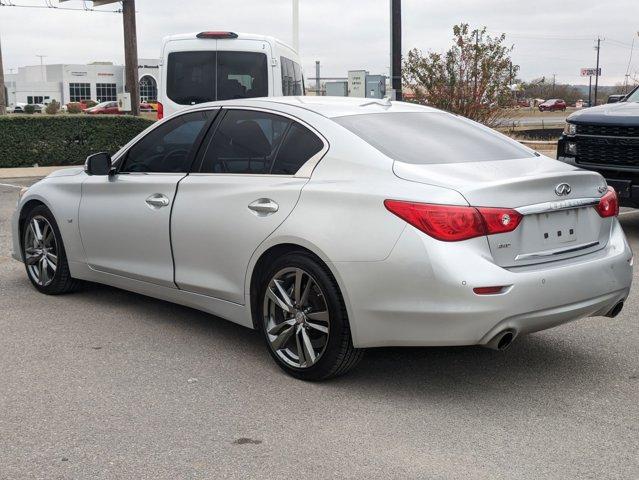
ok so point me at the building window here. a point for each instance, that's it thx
(106, 92)
(148, 89)
(33, 100)
(79, 91)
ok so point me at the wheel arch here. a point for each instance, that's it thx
(24, 212)
(267, 254)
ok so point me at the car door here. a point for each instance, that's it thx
(124, 218)
(248, 179)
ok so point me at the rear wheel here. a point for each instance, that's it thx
(304, 321)
(44, 255)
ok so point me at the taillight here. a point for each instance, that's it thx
(217, 35)
(160, 111)
(452, 223)
(608, 205)
(500, 220)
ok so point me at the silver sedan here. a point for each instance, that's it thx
(333, 225)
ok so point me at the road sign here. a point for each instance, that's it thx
(590, 72)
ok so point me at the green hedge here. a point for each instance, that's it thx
(63, 140)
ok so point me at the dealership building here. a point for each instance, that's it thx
(98, 81)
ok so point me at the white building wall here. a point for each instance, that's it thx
(54, 81)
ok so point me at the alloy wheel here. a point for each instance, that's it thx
(296, 317)
(41, 251)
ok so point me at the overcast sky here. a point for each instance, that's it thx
(549, 36)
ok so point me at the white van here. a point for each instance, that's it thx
(208, 66)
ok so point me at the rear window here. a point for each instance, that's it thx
(198, 77)
(431, 138)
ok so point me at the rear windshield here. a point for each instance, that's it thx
(198, 77)
(429, 138)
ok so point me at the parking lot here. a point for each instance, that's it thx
(110, 384)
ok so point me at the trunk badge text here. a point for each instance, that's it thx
(563, 189)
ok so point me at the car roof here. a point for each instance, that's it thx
(330, 107)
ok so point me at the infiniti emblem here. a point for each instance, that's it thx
(563, 189)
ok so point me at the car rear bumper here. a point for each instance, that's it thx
(422, 294)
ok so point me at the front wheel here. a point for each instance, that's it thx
(44, 255)
(304, 320)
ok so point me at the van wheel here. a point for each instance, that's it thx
(304, 320)
(43, 253)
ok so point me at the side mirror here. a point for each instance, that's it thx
(98, 164)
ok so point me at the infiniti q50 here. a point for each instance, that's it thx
(334, 225)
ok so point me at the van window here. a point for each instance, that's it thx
(191, 77)
(292, 83)
(241, 75)
(198, 77)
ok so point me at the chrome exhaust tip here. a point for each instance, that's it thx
(616, 310)
(502, 340)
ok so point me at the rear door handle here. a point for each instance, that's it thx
(264, 206)
(158, 200)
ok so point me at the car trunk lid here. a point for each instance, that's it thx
(556, 200)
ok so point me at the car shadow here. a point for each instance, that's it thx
(546, 360)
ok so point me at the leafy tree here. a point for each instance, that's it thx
(473, 78)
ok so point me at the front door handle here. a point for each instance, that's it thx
(264, 206)
(158, 200)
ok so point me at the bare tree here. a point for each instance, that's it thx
(473, 78)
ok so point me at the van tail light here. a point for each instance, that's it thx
(608, 205)
(160, 111)
(452, 223)
(217, 35)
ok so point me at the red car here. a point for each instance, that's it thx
(552, 105)
(104, 108)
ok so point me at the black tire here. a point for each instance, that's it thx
(61, 281)
(339, 356)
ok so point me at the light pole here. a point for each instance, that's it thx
(42, 57)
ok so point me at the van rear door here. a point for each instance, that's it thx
(204, 70)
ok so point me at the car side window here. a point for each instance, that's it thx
(166, 149)
(299, 146)
(245, 142)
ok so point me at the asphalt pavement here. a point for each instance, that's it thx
(106, 384)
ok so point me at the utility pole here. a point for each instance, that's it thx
(3, 98)
(597, 69)
(554, 81)
(131, 55)
(396, 48)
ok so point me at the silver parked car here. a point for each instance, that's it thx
(332, 225)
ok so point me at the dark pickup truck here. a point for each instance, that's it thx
(606, 139)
